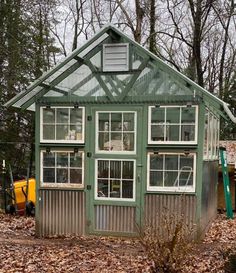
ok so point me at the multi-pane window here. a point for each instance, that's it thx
(116, 132)
(115, 179)
(211, 140)
(62, 168)
(62, 124)
(173, 124)
(171, 172)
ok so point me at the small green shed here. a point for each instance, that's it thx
(121, 138)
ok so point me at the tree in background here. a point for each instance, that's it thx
(26, 50)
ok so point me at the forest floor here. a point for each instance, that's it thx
(21, 251)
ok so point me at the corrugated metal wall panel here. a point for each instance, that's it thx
(61, 212)
(209, 193)
(114, 218)
(177, 207)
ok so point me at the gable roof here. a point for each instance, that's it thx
(78, 76)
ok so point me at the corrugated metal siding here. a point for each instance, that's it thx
(114, 218)
(175, 206)
(209, 193)
(61, 212)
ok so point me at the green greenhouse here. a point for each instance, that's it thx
(121, 138)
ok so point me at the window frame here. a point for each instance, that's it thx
(115, 198)
(178, 189)
(42, 140)
(212, 131)
(150, 141)
(61, 185)
(97, 133)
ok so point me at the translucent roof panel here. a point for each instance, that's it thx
(75, 78)
(154, 81)
(27, 97)
(90, 88)
(61, 70)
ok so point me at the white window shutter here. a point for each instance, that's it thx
(115, 57)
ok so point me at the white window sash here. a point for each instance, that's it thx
(97, 132)
(115, 198)
(150, 141)
(61, 185)
(182, 189)
(42, 140)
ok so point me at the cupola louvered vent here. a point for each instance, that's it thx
(115, 57)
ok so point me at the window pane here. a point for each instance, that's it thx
(186, 179)
(187, 132)
(48, 115)
(76, 160)
(62, 159)
(186, 162)
(128, 142)
(103, 141)
(62, 115)
(116, 142)
(172, 132)
(116, 122)
(49, 132)
(115, 188)
(76, 116)
(173, 115)
(115, 169)
(102, 188)
(128, 122)
(75, 132)
(62, 133)
(156, 178)
(104, 122)
(48, 175)
(103, 168)
(170, 179)
(156, 162)
(158, 115)
(171, 162)
(128, 170)
(188, 115)
(157, 132)
(127, 189)
(49, 159)
(76, 176)
(62, 176)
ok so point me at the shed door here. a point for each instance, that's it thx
(115, 194)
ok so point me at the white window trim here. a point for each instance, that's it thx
(115, 152)
(212, 152)
(61, 141)
(188, 189)
(172, 142)
(104, 68)
(60, 185)
(114, 198)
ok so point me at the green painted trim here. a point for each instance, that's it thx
(199, 167)
(37, 169)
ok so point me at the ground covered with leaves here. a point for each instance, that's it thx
(21, 251)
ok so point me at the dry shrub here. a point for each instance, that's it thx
(167, 243)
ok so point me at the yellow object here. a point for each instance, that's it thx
(20, 189)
